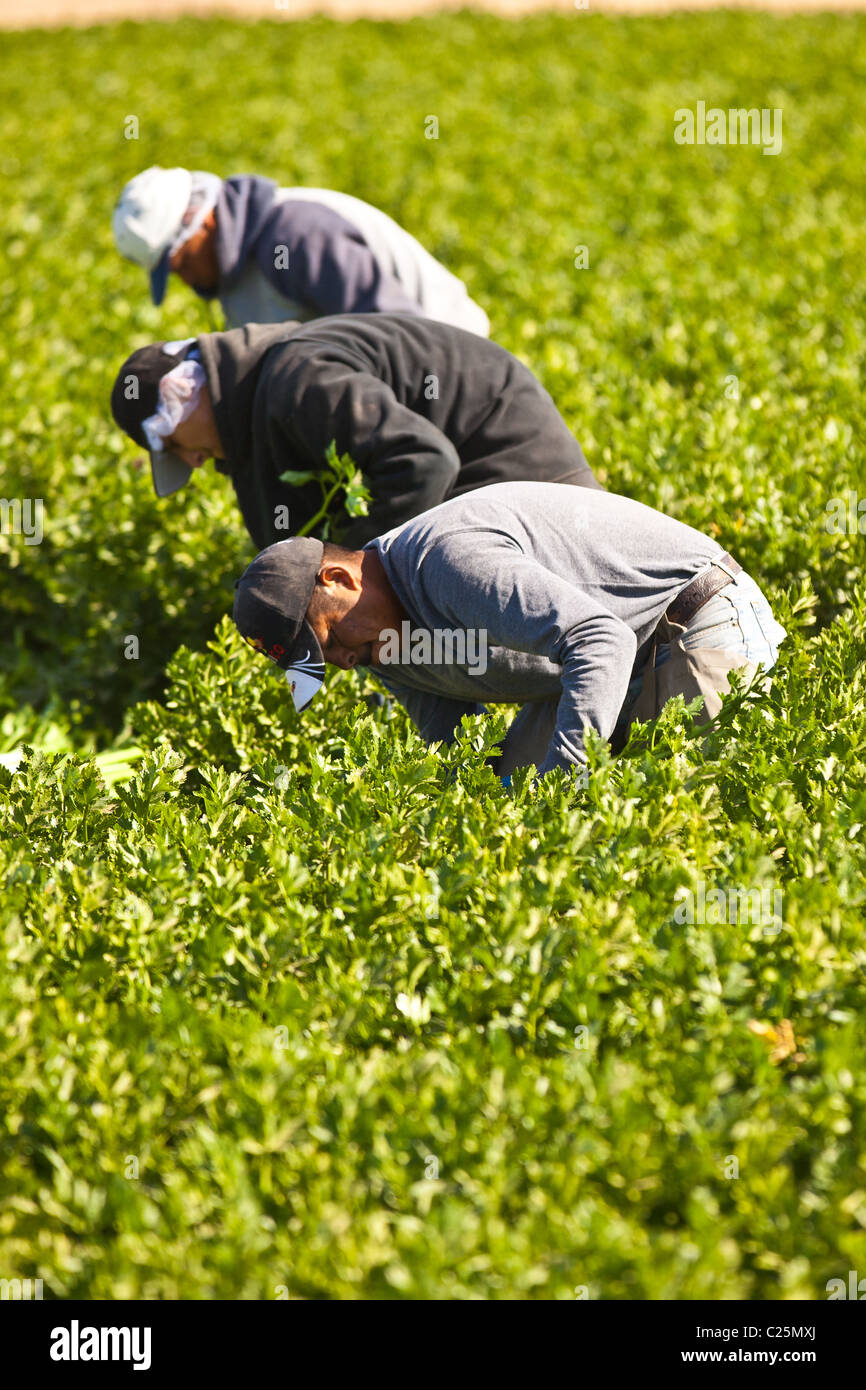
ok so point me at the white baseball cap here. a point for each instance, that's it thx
(148, 221)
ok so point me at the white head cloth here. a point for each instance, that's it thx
(179, 392)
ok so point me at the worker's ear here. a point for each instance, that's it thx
(338, 577)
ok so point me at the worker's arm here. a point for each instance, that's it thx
(484, 582)
(436, 717)
(409, 464)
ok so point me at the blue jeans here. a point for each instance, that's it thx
(737, 619)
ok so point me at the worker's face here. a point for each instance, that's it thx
(196, 439)
(348, 616)
(196, 260)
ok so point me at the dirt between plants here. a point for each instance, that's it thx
(28, 14)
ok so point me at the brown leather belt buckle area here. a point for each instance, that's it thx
(701, 589)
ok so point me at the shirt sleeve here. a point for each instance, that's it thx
(435, 716)
(408, 463)
(487, 583)
(334, 272)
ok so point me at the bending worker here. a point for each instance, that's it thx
(587, 609)
(271, 254)
(426, 411)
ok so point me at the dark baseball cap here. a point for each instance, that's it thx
(135, 397)
(270, 612)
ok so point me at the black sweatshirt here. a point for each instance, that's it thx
(427, 412)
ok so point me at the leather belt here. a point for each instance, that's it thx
(701, 590)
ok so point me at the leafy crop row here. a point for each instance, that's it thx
(299, 1005)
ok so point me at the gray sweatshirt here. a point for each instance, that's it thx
(565, 584)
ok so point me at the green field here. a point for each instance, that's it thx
(314, 1011)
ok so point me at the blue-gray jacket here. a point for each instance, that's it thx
(301, 253)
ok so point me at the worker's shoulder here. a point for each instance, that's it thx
(333, 337)
(403, 331)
